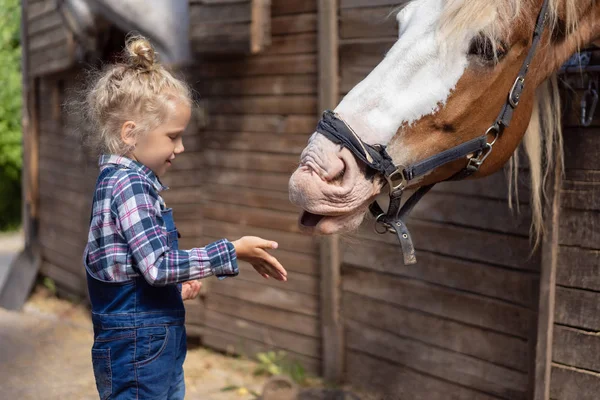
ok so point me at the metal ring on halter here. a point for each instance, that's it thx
(496, 134)
(379, 223)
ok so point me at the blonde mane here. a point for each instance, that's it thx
(542, 142)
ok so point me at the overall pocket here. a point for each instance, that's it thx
(150, 343)
(102, 372)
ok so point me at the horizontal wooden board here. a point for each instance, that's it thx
(577, 308)
(273, 124)
(580, 228)
(494, 186)
(265, 315)
(569, 383)
(235, 344)
(73, 283)
(466, 243)
(443, 364)
(443, 333)
(272, 337)
(581, 147)
(260, 85)
(581, 195)
(296, 282)
(576, 348)
(283, 7)
(296, 64)
(222, 13)
(275, 181)
(36, 10)
(294, 104)
(248, 216)
(368, 22)
(248, 161)
(578, 268)
(301, 43)
(472, 277)
(370, 3)
(51, 38)
(387, 380)
(443, 302)
(267, 296)
(44, 23)
(297, 23)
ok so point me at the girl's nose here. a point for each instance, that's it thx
(179, 148)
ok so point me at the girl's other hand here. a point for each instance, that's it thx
(253, 249)
(190, 289)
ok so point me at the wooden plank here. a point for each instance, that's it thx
(578, 308)
(576, 348)
(234, 344)
(476, 342)
(571, 383)
(301, 43)
(578, 268)
(494, 186)
(48, 39)
(443, 364)
(370, 3)
(39, 9)
(492, 214)
(249, 141)
(260, 27)
(290, 24)
(45, 23)
(273, 337)
(295, 104)
(472, 277)
(268, 296)
(293, 64)
(265, 315)
(358, 58)
(222, 13)
(581, 146)
(248, 161)
(274, 124)
(283, 7)
(580, 228)
(446, 303)
(64, 278)
(265, 180)
(470, 244)
(260, 85)
(387, 380)
(373, 22)
(581, 195)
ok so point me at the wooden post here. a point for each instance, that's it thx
(542, 362)
(332, 328)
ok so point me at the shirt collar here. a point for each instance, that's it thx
(121, 161)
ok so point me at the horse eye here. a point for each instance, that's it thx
(482, 47)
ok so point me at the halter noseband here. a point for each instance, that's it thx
(378, 160)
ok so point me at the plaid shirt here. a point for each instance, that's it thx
(128, 236)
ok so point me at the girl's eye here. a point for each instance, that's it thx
(482, 47)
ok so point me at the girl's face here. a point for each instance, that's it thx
(157, 149)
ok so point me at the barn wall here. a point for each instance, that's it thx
(575, 364)
(232, 181)
(460, 323)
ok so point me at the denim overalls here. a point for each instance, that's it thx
(139, 334)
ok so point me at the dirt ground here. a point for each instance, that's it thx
(45, 354)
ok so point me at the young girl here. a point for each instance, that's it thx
(137, 276)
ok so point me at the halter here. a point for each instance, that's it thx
(379, 161)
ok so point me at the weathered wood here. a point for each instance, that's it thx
(580, 228)
(48, 39)
(470, 244)
(373, 22)
(229, 177)
(387, 380)
(370, 3)
(443, 302)
(272, 337)
(260, 85)
(283, 7)
(267, 219)
(578, 268)
(443, 364)
(265, 315)
(45, 23)
(195, 312)
(260, 27)
(581, 195)
(570, 383)
(240, 11)
(249, 141)
(297, 282)
(263, 162)
(234, 344)
(261, 65)
(71, 281)
(298, 23)
(472, 277)
(576, 348)
(581, 147)
(268, 296)
(442, 333)
(359, 57)
(299, 105)
(274, 124)
(293, 44)
(39, 9)
(578, 308)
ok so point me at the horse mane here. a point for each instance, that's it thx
(543, 139)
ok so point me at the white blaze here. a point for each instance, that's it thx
(416, 76)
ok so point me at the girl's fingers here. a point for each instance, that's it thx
(267, 244)
(273, 263)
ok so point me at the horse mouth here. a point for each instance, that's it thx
(310, 220)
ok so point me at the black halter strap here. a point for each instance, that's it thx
(379, 161)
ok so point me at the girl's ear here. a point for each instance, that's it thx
(128, 134)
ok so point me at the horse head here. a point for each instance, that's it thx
(442, 84)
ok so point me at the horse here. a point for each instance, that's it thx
(432, 103)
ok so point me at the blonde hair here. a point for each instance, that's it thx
(135, 89)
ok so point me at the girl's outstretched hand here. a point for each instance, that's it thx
(254, 250)
(190, 289)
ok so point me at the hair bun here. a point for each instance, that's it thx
(140, 53)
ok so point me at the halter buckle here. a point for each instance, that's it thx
(475, 162)
(396, 180)
(514, 96)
